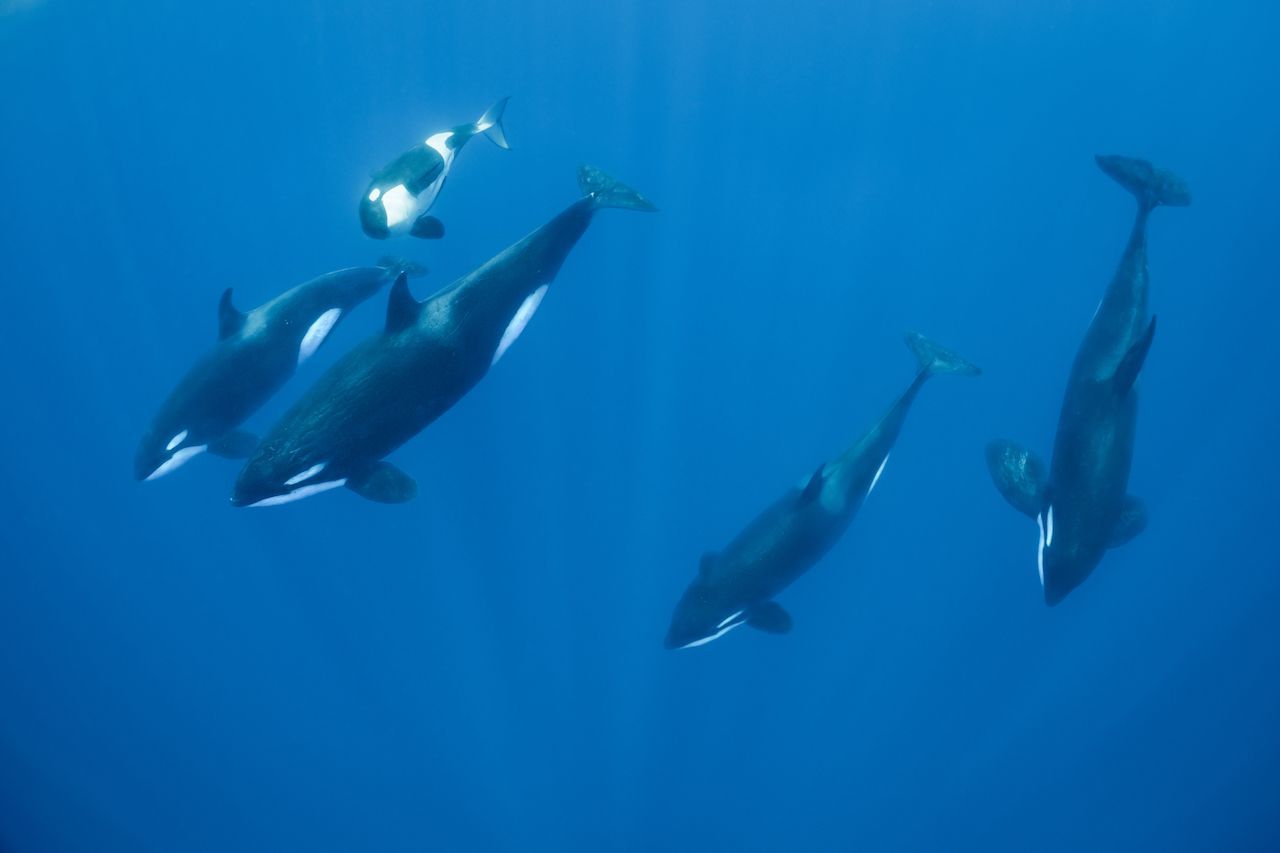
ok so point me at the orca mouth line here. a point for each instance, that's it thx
(179, 458)
(720, 631)
(289, 496)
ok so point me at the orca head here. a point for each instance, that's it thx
(703, 614)
(373, 214)
(162, 451)
(270, 480)
(1063, 558)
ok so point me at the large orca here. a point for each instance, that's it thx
(254, 356)
(1081, 503)
(400, 193)
(430, 354)
(738, 585)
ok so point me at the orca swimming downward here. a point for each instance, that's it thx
(400, 193)
(738, 585)
(430, 354)
(1081, 503)
(255, 355)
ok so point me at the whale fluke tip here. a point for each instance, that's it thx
(607, 191)
(490, 124)
(397, 265)
(1150, 185)
(934, 359)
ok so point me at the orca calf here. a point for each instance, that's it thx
(255, 355)
(738, 585)
(400, 193)
(430, 354)
(1081, 503)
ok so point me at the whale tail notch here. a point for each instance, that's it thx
(1150, 185)
(934, 359)
(396, 265)
(605, 191)
(490, 124)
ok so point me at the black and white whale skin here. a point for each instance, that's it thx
(255, 355)
(400, 193)
(430, 354)
(738, 585)
(1081, 505)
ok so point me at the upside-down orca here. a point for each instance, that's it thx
(738, 585)
(1081, 503)
(430, 354)
(254, 356)
(400, 193)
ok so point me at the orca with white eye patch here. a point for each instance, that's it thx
(1080, 502)
(738, 585)
(255, 354)
(400, 194)
(428, 356)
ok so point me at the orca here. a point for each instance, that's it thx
(739, 585)
(401, 193)
(255, 354)
(1080, 502)
(430, 354)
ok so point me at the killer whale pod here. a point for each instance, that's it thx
(1079, 501)
(254, 356)
(427, 357)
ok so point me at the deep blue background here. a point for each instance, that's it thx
(482, 669)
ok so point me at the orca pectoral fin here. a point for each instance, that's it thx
(1018, 474)
(769, 617)
(427, 227)
(236, 444)
(1132, 521)
(385, 484)
(1131, 365)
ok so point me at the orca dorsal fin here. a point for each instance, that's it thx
(704, 565)
(1131, 365)
(813, 488)
(230, 319)
(402, 309)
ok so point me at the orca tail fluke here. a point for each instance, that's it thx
(934, 359)
(1151, 186)
(605, 191)
(396, 265)
(490, 124)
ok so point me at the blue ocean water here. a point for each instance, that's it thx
(482, 668)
